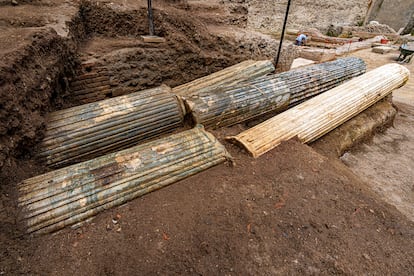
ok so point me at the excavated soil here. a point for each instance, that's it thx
(386, 162)
(31, 79)
(36, 72)
(295, 210)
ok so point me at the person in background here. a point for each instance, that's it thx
(301, 40)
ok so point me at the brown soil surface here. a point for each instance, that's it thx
(30, 78)
(292, 211)
(386, 162)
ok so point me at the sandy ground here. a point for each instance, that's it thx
(387, 162)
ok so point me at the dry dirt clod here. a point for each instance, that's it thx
(366, 256)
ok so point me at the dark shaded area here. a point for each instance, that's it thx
(30, 80)
(190, 51)
(409, 29)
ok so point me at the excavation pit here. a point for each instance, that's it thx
(293, 211)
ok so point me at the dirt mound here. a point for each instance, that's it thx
(370, 28)
(30, 77)
(291, 212)
(374, 28)
(192, 49)
(33, 77)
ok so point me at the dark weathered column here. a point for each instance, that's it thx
(72, 194)
(230, 105)
(246, 70)
(87, 131)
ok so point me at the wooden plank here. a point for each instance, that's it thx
(153, 39)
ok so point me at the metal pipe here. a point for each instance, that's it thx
(150, 18)
(283, 34)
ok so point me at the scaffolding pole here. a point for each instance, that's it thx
(283, 34)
